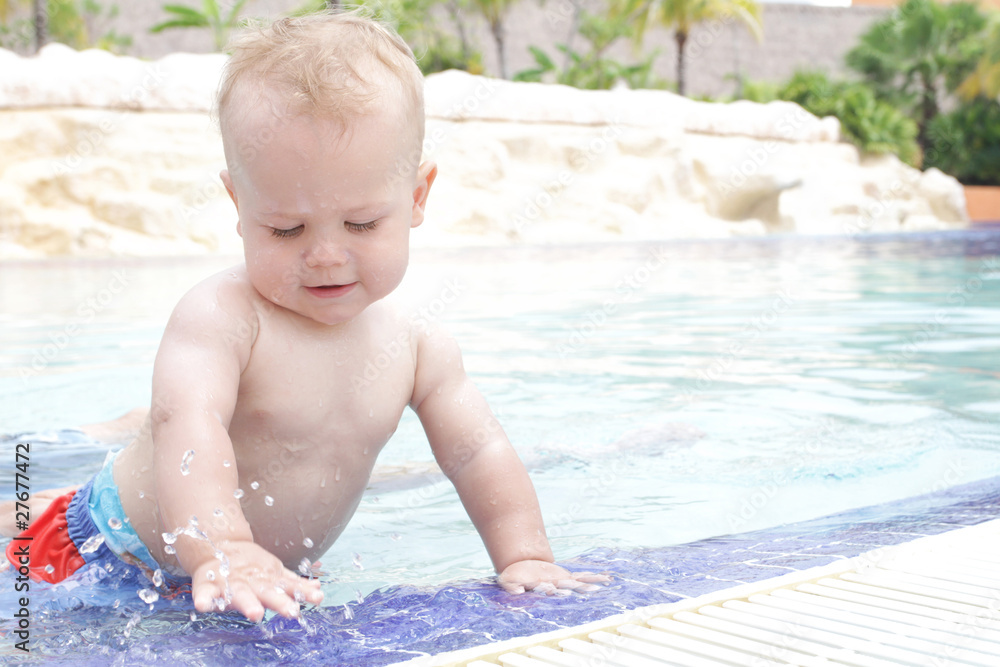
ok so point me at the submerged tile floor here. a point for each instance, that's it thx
(402, 622)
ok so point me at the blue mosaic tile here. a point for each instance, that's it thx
(401, 622)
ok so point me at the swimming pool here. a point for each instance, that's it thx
(662, 394)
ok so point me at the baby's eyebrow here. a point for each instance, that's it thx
(370, 211)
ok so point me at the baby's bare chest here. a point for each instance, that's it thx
(322, 400)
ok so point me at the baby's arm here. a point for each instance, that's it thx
(475, 454)
(196, 378)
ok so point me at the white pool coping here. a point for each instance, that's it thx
(945, 588)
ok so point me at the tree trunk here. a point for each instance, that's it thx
(41, 12)
(496, 27)
(574, 28)
(456, 17)
(681, 38)
(928, 110)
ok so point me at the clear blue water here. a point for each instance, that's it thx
(662, 394)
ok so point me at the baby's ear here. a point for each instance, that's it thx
(227, 181)
(426, 173)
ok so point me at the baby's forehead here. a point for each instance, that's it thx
(269, 110)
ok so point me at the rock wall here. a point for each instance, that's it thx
(101, 154)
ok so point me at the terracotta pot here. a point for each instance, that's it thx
(983, 202)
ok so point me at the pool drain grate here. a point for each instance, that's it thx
(931, 602)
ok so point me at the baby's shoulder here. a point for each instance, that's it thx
(222, 300)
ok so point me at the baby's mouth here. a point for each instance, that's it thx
(329, 291)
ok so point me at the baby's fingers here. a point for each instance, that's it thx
(302, 590)
(205, 593)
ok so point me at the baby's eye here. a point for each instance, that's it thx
(286, 233)
(361, 226)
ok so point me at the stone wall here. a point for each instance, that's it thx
(795, 36)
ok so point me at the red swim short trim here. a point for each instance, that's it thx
(48, 543)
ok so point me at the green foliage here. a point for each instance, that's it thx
(872, 125)
(590, 69)
(71, 22)
(209, 16)
(966, 142)
(416, 22)
(985, 79)
(761, 91)
(918, 54)
(683, 15)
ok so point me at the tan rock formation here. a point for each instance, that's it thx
(108, 155)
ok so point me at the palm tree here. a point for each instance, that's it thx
(918, 54)
(985, 80)
(40, 10)
(210, 16)
(683, 15)
(494, 12)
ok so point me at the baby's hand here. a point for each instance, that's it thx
(250, 579)
(548, 578)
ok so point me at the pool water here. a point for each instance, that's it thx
(661, 394)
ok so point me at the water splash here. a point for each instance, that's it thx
(92, 544)
(186, 461)
(148, 595)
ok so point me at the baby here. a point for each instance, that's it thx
(261, 439)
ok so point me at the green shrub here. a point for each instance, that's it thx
(872, 125)
(966, 142)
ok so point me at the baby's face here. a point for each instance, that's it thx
(325, 215)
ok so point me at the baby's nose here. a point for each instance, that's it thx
(326, 252)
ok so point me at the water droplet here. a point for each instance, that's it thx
(141, 495)
(169, 538)
(114, 523)
(358, 596)
(269, 501)
(348, 614)
(307, 543)
(305, 566)
(254, 485)
(336, 475)
(169, 550)
(92, 544)
(226, 463)
(357, 562)
(217, 512)
(116, 604)
(158, 577)
(210, 575)
(49, 569)
(238, 493)
(193, 616)
(149, 596)
(395, 537)
(185, 461)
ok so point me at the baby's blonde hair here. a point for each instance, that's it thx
(332, 65)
